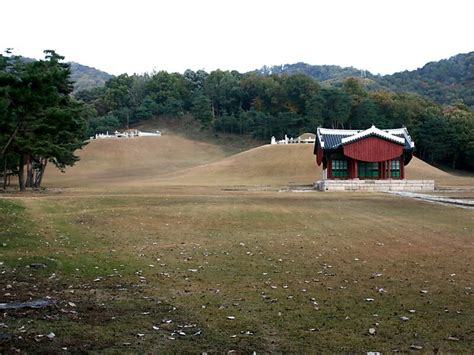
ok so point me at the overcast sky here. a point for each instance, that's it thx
(136, 36)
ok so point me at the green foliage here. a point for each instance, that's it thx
(337, 108)
(107, 123)
(366, 114)
(40, 121)
(201, 109)
(434, 127)
(462, 121)
(298, 89)
(148, 108)
(168, 91)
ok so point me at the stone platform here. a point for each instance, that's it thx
(374, 185)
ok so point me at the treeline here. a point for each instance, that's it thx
(278, 104)
(446, 82)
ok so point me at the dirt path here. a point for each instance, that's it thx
(458, 202)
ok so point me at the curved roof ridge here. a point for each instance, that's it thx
(373, 131)
(402, 131)
(337, 131)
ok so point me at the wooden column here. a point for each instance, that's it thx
(389, 169)
(402, 169)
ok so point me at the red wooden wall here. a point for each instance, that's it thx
(373, 149)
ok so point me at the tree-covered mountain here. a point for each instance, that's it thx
(447, 81)
(87, 78)
(321, 73)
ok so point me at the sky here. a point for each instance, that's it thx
(382, 36)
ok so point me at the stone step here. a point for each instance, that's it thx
(375, 185)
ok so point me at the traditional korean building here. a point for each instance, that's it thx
(367, 155)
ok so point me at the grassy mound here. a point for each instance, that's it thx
(123, 160)
(177, 160)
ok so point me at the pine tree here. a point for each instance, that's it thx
(40, 121)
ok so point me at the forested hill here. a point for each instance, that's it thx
(322, 73)
(87, 78)
(447, 81)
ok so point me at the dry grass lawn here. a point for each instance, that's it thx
(154, 246)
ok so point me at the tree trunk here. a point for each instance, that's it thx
(29, 172)
(5, 173)
(39, 175)
(214, 110)
(22, 172)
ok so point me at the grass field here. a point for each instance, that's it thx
(180, 246)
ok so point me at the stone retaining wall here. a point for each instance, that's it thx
(374, 185)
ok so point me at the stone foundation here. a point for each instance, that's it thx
(374, 185)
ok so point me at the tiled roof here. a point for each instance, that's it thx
(329, 139)
(373, 131)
